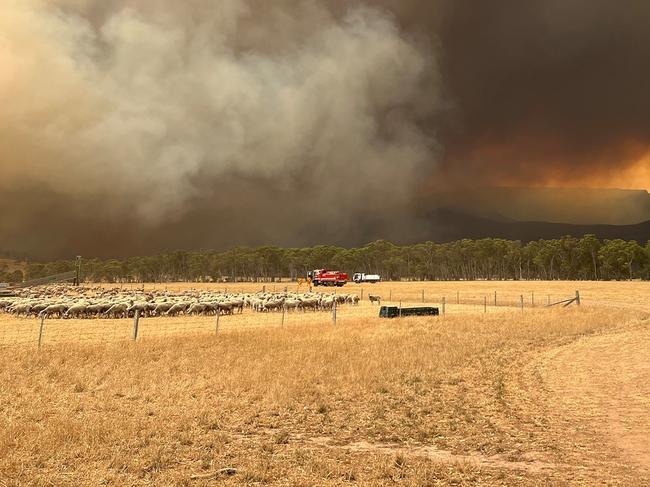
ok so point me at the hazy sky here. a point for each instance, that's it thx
(141, 125)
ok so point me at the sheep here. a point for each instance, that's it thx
(55, 309)
(292, 304)
(65, 302)
(177, 309)
(76, 311)
(119, 310)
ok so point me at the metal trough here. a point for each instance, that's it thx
(395, 312)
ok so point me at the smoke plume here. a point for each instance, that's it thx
(144, 104)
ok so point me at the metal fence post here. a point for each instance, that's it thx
(136, 324)
(40, 331)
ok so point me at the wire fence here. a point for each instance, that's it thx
(40, 332)
(410, 295)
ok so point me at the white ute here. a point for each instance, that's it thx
(360, 277)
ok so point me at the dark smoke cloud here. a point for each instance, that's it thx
(137, 126)
(547, 89)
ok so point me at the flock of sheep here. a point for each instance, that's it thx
(65, 302)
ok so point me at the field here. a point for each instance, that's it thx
(489, 395)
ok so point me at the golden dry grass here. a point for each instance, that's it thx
(465, 399)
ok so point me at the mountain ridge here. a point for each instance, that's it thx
(452, 224)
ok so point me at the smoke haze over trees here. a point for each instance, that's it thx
(568, 258)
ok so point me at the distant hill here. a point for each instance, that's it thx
(445, 225)
(583, 206)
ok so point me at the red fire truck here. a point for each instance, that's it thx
(327, 277)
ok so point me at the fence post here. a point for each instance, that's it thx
(578, 298)
(423, 295)
(40, 331)
(284, 309)
(136, 323)
(400, 309)
(444, 305)
(495, 298)
(390, 295)
(532, 299)
(457, 297)
(522, 303)
(216, 330)
(361, 294)
(484, 304)
(334, 313)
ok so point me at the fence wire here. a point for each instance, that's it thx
(27, 331)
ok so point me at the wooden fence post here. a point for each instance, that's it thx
(40, 331)
(334, 313)
(390, 295)
(532, 299)
(444, 305)
(284, 310)
(400, 309)
(495, 298)
(361, 294)
(423, 295)
(457, 297)
(136, 324)
(216, 330)
(522, 303)
(578, 298)
(484, 304)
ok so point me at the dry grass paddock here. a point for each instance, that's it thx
(539, 397)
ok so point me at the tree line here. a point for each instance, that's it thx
(567, 258)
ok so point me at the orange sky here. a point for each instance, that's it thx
(638, 177)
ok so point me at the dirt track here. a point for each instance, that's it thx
(602, 384)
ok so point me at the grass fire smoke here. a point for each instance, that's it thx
(140, 108)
